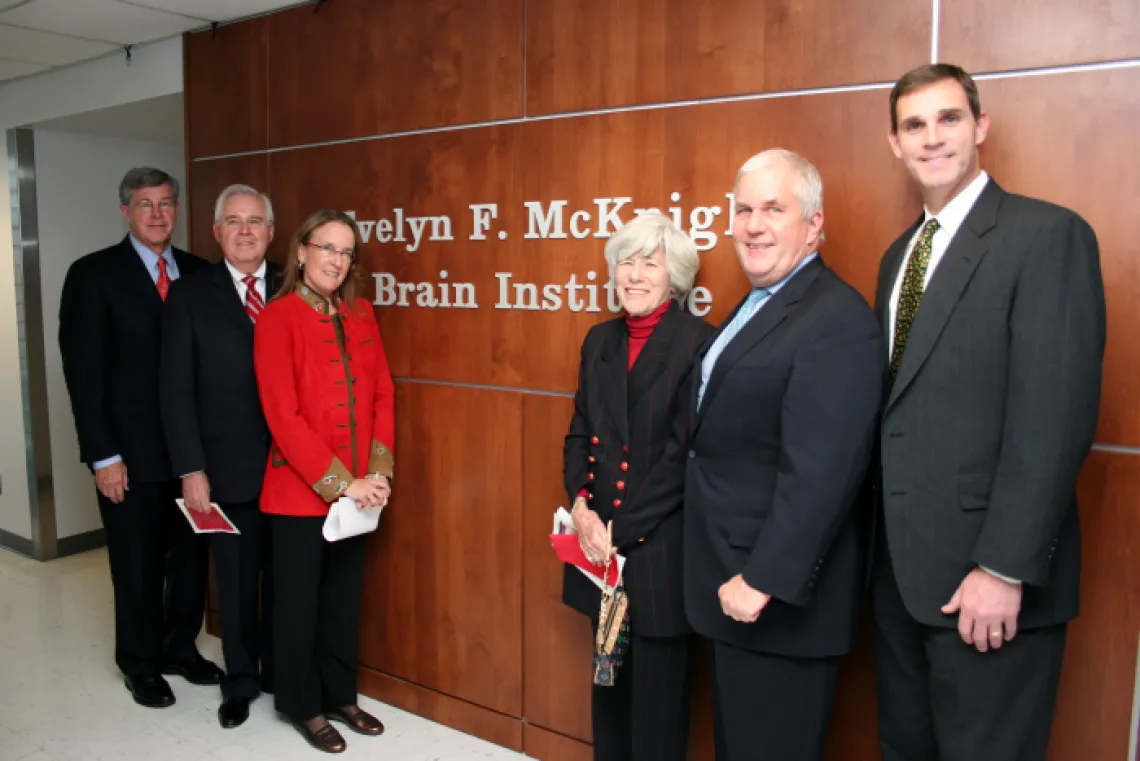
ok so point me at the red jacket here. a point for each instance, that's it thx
(328, 399)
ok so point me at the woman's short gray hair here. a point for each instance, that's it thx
(644, 235)
(241, 190)
(809, 185)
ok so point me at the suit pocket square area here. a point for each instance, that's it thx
(974, 491)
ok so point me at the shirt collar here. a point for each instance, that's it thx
(239, 276)
(149, 256)
(954, 213)
(772, 289)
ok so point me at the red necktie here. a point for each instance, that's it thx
(253, 301)
(163, 281)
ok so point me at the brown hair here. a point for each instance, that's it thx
(293, 273)
(930, 74)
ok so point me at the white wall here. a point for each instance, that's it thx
(77, 180)
(156, 70)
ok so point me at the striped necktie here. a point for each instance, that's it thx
(910, 294)
(253, 300)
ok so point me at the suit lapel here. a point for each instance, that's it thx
(653, 359)
(614, 364)
(949, 280)
(226, 293)
(771, 314)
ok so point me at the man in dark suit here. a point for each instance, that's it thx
(215, 429)
(993, 306)
(109, 335)
(787, 406)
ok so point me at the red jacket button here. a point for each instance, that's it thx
(621, 484)
(625, 466)
(591, 458)
(590, 476)
(617, 503)
(594, 440)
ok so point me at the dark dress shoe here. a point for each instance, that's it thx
(200, 671)
(326, 738)
(233, 712)
(150, 691)
(358, 721)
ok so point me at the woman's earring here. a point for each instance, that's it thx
(301, 266)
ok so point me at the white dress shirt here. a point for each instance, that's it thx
(240, 285)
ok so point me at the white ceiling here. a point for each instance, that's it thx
(37, 35)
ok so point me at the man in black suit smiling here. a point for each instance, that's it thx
(218, 438)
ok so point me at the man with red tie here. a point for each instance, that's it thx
(110, 324)
(216, 432)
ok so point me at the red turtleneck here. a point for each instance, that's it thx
(640, 328)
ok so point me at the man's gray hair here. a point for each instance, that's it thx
(145, 177)
(808, 187)
(241, 190)
(646, 233)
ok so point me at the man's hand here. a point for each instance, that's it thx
(987, 609)
(740, 601)
(196, 492)
(112, 481)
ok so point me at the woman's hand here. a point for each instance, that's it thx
(368, 493)
(592, 535)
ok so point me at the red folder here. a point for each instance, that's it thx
(569, 551)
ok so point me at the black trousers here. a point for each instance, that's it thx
(645, 715)
(240, 565)
(316, 617)
(942, 700)
(158, 571)
(770, 707)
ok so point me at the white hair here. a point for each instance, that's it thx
(241, 190)
(644, 235)
(808, 185)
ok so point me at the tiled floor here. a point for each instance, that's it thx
(62, 699)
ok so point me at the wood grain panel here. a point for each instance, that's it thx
(645, 156)
(361, 67)
(225, 95)
(1000, 35)
(557, 655)
(442, 709)
(443, 578)
(854, 731)
(585, 54)
(1094, 708)
(550, 746)
(207, 180)
(1085, 124)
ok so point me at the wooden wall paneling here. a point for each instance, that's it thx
(1003, 35)
(1070, 139)
(442, 709)
(443, 578)
(225, 95)
(207, 179)
(557, 649)
(1094, 709)
(586, 54)
(361, 67)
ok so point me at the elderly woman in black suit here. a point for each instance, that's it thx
(624, 461)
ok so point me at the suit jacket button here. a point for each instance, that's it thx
(591, 458)
(624, 448)
(590, 495)
(625, 466)
(621, 485)
(617, 503)
(692, 455)
(594, 440)
(641, 540)
(590, 476)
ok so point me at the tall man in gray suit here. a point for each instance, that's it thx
(993, 306)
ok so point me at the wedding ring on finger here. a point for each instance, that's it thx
(995, 634)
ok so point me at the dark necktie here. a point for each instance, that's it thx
(910, 294)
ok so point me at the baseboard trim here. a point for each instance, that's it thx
(17, 544)
(85, 542)
(548, 745)
(453, 712)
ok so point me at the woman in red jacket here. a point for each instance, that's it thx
(328, 398)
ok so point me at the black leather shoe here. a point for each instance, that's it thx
(201, 671)
(150, 691)
(326, 738)
(233, 712)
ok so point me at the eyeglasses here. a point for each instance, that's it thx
(330, 251)
(165, 205)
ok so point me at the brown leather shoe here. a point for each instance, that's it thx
(326, 738)
(358, 721)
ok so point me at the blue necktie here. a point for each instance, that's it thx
(749, 308)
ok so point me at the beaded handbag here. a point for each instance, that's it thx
(612, 639)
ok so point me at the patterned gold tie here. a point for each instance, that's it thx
(910, 294)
